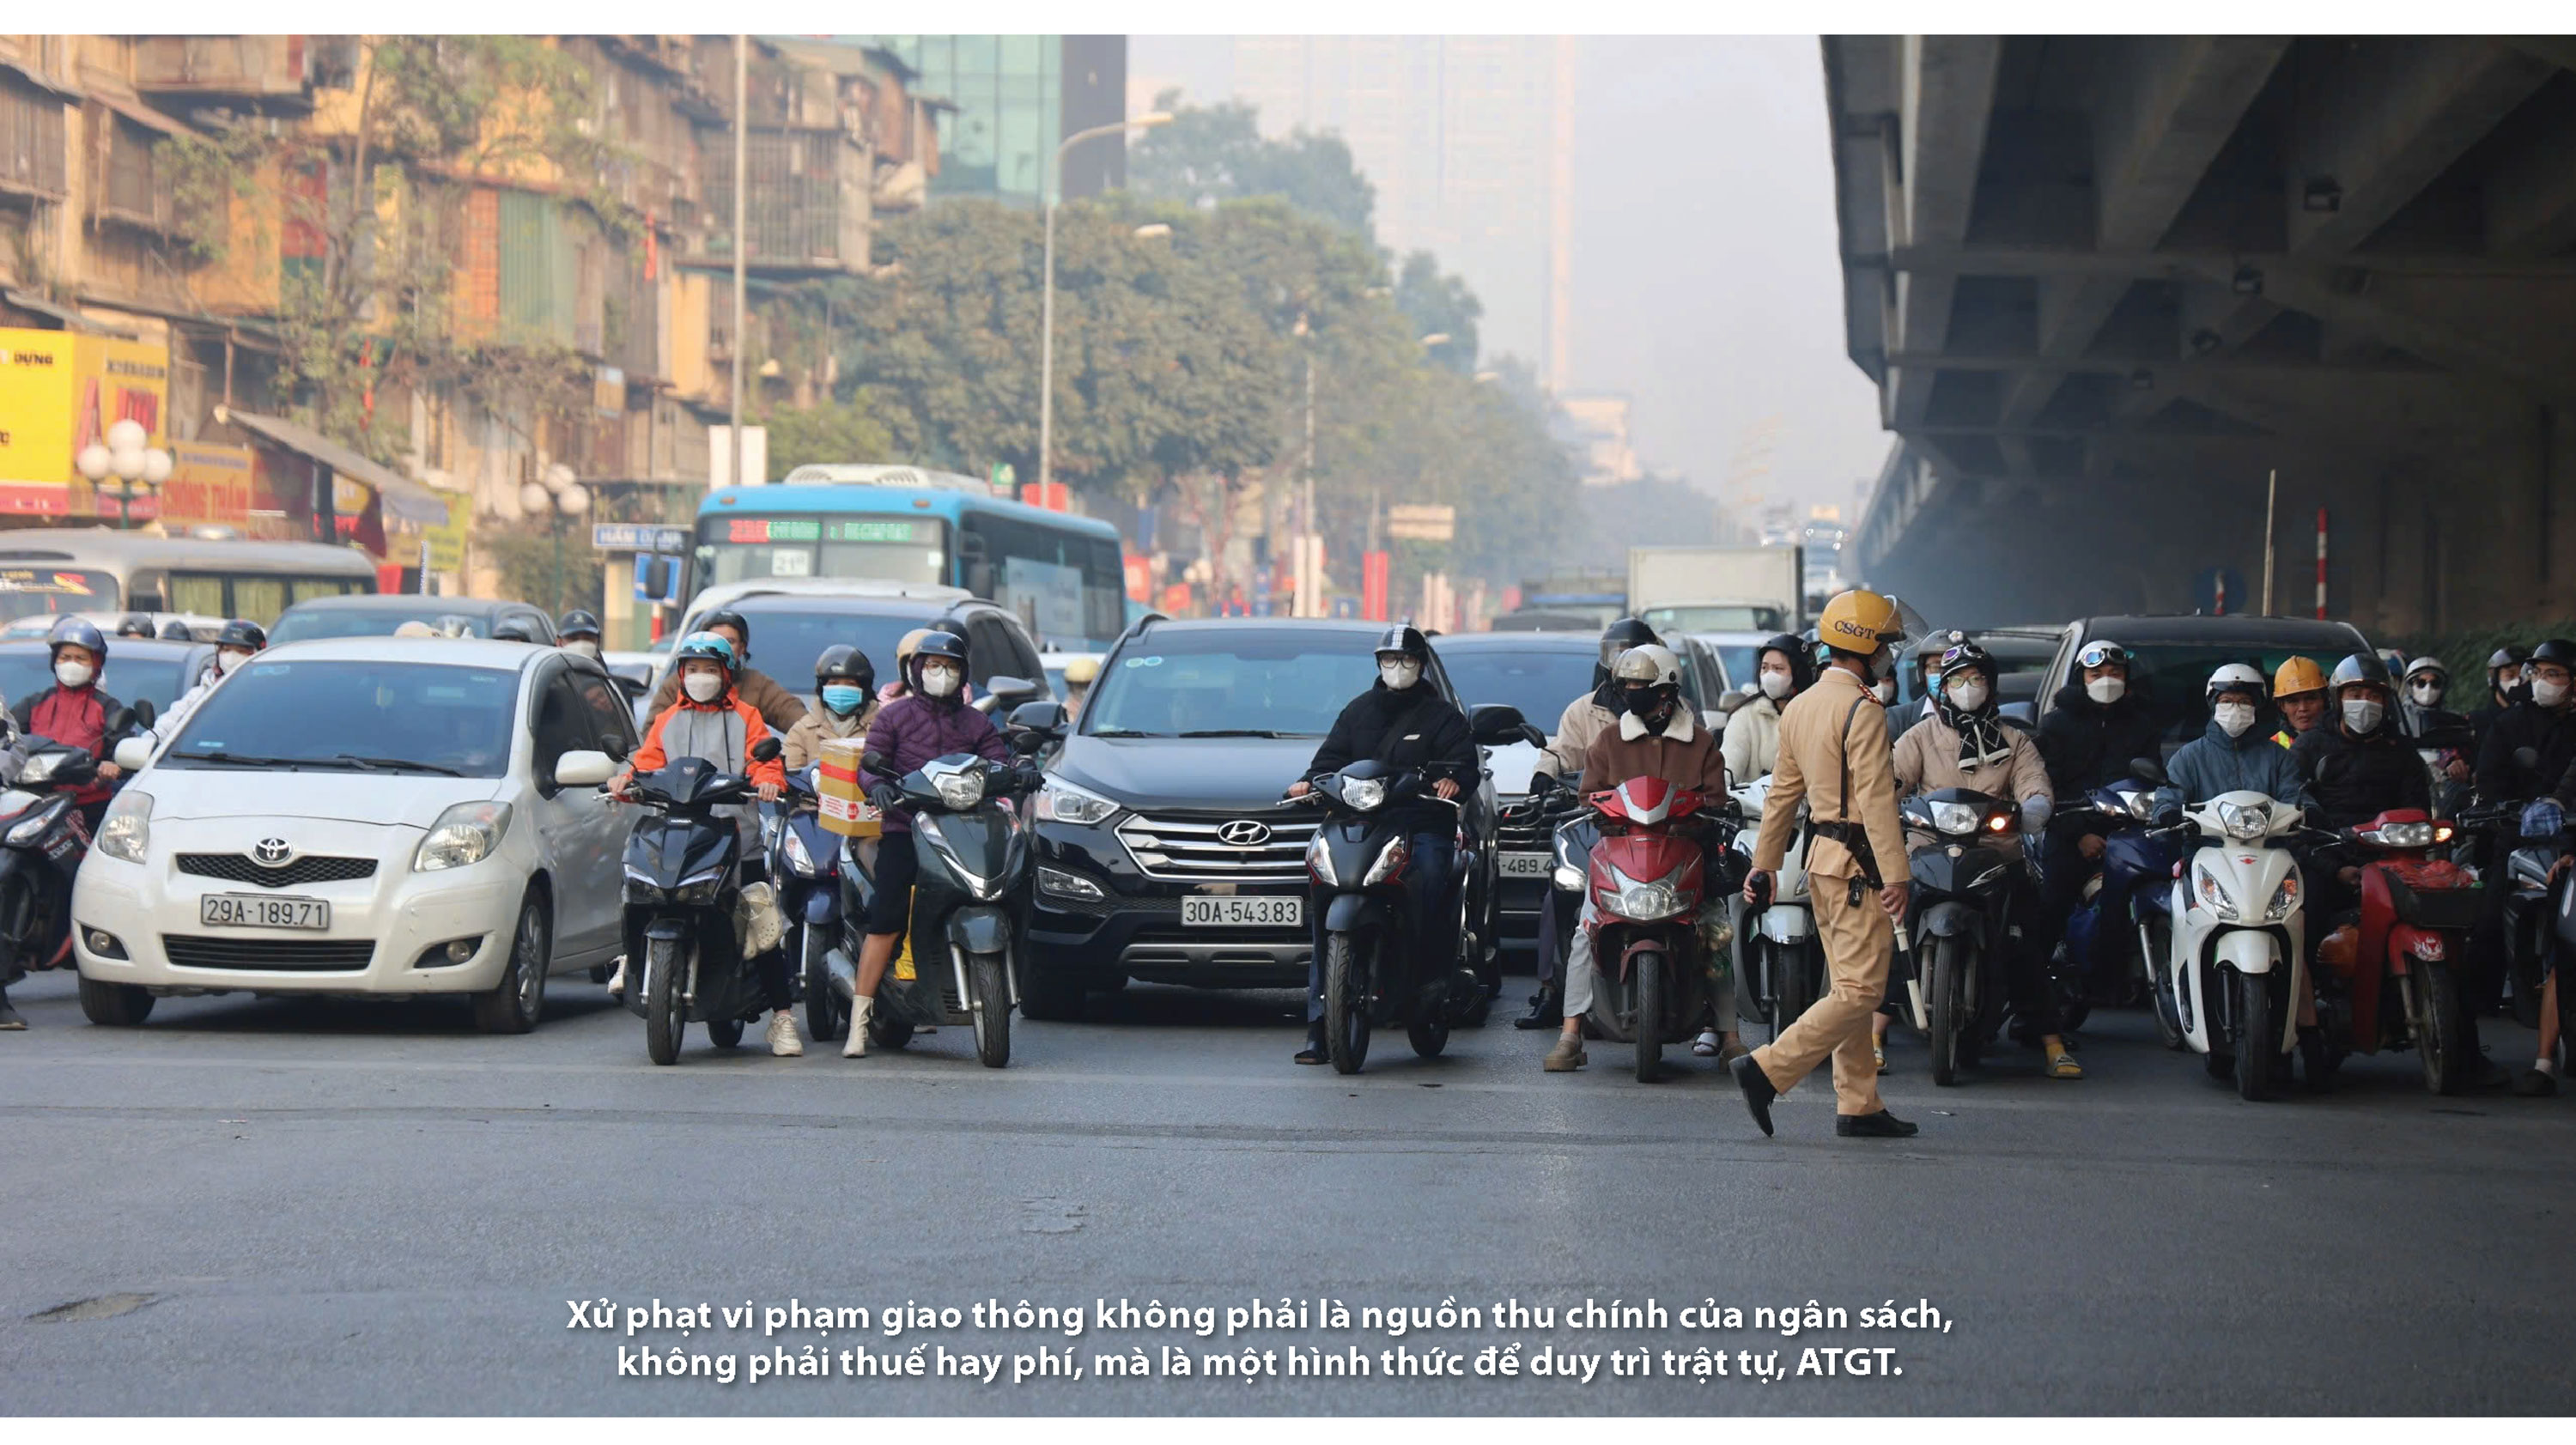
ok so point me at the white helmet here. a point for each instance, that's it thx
(1650, 663)
(2433, 665)
(2234, 677)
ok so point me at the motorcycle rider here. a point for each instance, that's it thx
(1753, 730)
(1404, 723)
(845, 685)
(235, 645)
(2094, 727)
(134, 624)
(74, 711)
(2233, 754)
(1965, 744)
(1584, 719)
(1079, 675)
(1656, 738)
(579, 632)
(2505, 687)
(2544, 720)
(930, 720)
(778, 707)
(1834, 753)
(2299, 691)
(712, 721)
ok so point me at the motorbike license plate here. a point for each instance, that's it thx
(1522, 865)
(244, 910)
(1243, 912)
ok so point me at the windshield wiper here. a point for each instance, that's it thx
(399, 765)
(1125, 733)
(243, 760)
(1235, 733)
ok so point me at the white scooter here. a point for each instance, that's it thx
(1781, 965)
(2238, 964)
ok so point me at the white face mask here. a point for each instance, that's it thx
(2361, 714)
(1968, 696)
(2426, 693)
(938, 681)
(74, 674)
(703, 686)
(2106, 689)
(2548, 692)
(1884, 690)
(2233, 718)
(226, 661)
(1775, 685)
(586, 649)
(1399, 674)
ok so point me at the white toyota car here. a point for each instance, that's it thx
(366, 816)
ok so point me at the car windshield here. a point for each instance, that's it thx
(360, 715)
(785, 644)
(30, 591)
(2171, 676)
(1227, 681)
(303, 624)
(1539, 681)
(1715, 617)
(25, 671)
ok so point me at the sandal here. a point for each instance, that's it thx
(2063, 1066)
(1706, 1044)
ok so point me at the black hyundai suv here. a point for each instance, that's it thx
(1165, 851)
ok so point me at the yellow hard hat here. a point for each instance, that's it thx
(910, 644)
(1082, 671)
(2298, 675)
(1860, 621)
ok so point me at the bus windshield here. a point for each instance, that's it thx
(26, 590)
(749, 549)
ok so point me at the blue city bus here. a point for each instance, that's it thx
(1063, 574)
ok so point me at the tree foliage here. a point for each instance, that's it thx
(1216, 153)
(836, 431)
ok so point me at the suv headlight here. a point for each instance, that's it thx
(1062, 802)
(960, 790)
(463, 835)
(2284, 899)
(127, 829)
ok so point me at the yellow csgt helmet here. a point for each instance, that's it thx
(1082, 671)
(1860, 622)
(2297, 675)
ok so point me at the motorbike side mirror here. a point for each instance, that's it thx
(766, 749)
(1495, 724)
(1026, 741)
(2147, 770)
(614, 746)
(583, 768)
(2527, 759)
(633, 687)
(1011, 692)
(1044, 718)
(133, 754)
(875, 762)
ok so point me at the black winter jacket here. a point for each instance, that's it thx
(1415, 728)
(2525, 725)
(2087, 744)
(2356, 779)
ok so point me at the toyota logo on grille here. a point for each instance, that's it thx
(1244, 833)
(271, 851)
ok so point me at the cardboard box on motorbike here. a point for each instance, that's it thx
(839, 799)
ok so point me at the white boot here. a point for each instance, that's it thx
(857, 1046)
(617, 980)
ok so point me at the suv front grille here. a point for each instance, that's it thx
(241, 868)
(1189, 850)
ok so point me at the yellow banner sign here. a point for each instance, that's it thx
(447, 543)
(60, 391)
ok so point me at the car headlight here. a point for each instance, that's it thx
(1062, 802)
(799, 857)
(960, 790)
(1057, 883)
(1319, 862)
(2245, 823)
(1956, 819)
(127, 829)
(32, 827)
(2284, 899)
(1389, 860)
(1646, 902)
(1364, 794)
(2213, 895)
(463, 835)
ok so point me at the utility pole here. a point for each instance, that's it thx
(1310, 566)
(2271, 503)
(741, 243)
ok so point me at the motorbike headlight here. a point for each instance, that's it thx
(1364, 794)
(2245, 822)
(701, 886)
(960, 790)
(41, 768)
(1062, 802)
(2407, 835)
(799, 857)
(1956, 819)
(2141, 805)
(464, 834)
(2213, 895)
(1389, 860)
(1319, 862)
(2284, 899)
(32, 827)
(1569, 879)
(127, 829)
(1646, 902)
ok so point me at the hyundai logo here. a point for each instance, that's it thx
(271, 851)
(1244, 833)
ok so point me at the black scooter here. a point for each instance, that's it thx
(1963, 844)
(805, 864)
(43, 839)
(1355, 868)
(684, 865)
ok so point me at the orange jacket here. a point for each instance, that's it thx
(652, 757)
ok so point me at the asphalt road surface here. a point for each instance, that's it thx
(265, 1206)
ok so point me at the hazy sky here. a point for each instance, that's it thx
(1706, 285)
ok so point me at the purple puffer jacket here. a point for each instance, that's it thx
(910, 731)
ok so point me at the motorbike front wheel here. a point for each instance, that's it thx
(1346, 1006)
(2155, 937)
(992, 1006)
(826, 1017)
(666, 1017)
(2441, 1033)
(1649, 1029)
(1945, 1007)
(2257, 1036)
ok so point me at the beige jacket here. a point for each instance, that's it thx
(1927, 760)
(805, 740)
(1584, 720)
(1752, 739)
(1810, 766)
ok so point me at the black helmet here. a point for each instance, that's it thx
(938, 643)
(578, 623)
(1962, 656)
(2558, 650)
(510, 631)
(727, 617)
(841, 662)
(1802, 664)
(242, 632)
(1405, 638)
(175, 630)
(2360, 669)
(76, 632)
(134, 625)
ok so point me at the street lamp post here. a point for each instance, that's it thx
(1046, 289)
(557, 496)
(125, 457)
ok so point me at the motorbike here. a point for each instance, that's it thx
(805, 864)
(690, 913)
(43, 839)
(969, 902)
(2116, 939)
(1958, 920)
(1355, 871)
(1657, 941)
(2238, 964)
(1782, 961)
(2392, 980)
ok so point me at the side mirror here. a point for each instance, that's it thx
(586, 768)
(1041, 717)
(2147, 770)
(1012, 691)
(1495, 724)
(2527, 759)
(1028, 744)
(765, 750)
(121, 721)
(875, 762)
(133, 754)
(633, 687)
(1532, 736)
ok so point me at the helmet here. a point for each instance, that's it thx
(2433, 665)
(2558, 650)
(1625, 633)
(242, 632)
(578, 623)
(1082, 671)
(841, 662)
(1860, 622)
(727, 617)
(2510, 655)
(906, 645)
(2360, 670)
(511, 631)
(175, 630)
(2297, 675)
(134, 626)
(1937, 642)
(2233, 677)
(1648, 676)
(1961, 656)
(1405, 638)
(74, 631)
(934, 643)
(2103, 654)
(1802, 663)
(708, 645)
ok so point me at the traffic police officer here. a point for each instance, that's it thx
(1834, 752)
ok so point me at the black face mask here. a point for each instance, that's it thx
(1649, 705)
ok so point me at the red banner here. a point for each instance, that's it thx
(1375, 575)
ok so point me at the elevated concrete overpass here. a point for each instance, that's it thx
(2107, 285)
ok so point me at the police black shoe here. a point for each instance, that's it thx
(1881, 1125)
(1758, 1091)
(1546, 1011)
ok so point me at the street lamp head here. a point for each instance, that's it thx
(127, 436)
(1153, 117)
(157, 466)
(94, 461)
(557, 477)
(1153, 231)
(573, 501)
(534, 499)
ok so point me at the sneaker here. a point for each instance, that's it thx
(617, 981)
(1706, 1045)
(856, 1045)
(9, 1020)
(784, 1040)
(1566, 1057)
(2063, 1066)
(2533, 1084)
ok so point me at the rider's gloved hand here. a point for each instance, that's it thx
(885, 797)
(1028, 777)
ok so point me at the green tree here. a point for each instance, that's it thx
(1216, 153)
(1440, 305)
(837, 431)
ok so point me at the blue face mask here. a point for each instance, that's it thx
(844, 699)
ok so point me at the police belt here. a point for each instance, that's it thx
(1855, 839)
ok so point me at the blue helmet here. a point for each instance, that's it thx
(78, 632)
(708, 645)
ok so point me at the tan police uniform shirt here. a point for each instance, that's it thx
(1810, 765)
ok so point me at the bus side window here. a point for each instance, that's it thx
(975, 561)
(143, 592)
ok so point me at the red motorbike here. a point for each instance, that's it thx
(2392, 979)
(1654, 952)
